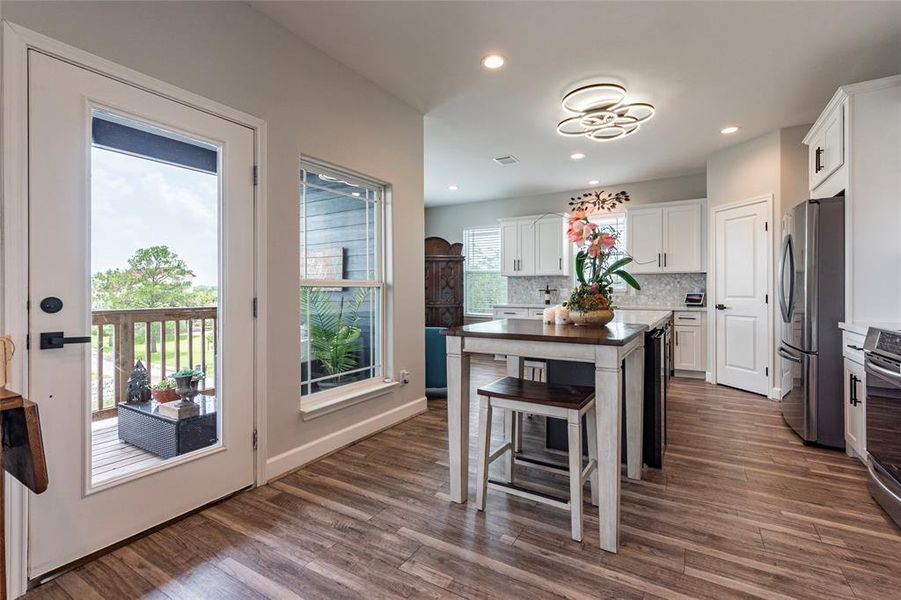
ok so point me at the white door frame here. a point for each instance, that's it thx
(17, 41)
(711, 289)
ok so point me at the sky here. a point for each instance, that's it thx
(136, 203)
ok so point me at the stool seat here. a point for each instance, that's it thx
(570, 402)
(546, 394)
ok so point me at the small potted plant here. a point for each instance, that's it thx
(164, 391)
(186, 383)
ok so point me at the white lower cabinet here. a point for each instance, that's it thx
(690, 343)
(855, 409)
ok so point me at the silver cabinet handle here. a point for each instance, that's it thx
(561, 264)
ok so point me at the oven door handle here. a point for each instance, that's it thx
(874, 476)
(883, 372)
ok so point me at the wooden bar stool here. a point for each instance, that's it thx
(568, 402)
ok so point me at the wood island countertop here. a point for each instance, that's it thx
(614, 333)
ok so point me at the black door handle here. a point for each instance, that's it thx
(51, 340)
(721, 307)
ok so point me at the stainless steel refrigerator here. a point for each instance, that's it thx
(811, 304)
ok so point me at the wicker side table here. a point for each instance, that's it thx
(141, 425)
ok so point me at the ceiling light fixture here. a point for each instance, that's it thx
(453, 188)
(729, 129)
(493, 61)
(577, 156)
(599, 112)
(593, 182)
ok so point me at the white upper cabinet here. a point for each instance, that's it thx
(826, 145)
(667, 238)
(534, 246)
(644, 239)
(682, 238)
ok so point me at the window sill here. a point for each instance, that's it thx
(324, 403)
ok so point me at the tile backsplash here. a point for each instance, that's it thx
(665, 289)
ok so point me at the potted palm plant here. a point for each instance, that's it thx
(334, 331)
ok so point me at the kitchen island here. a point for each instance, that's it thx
(608, 348)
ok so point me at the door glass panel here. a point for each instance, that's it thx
(154, 296)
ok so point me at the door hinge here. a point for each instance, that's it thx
(28, 341)
(766, 224)
(766, 298)
(254, 308)
(28, 304)
(254, 438)
(766, 371)
(256, 176)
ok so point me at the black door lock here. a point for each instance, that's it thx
(51, 304)
(51, 340)
(721, 307)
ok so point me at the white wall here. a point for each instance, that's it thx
(313, 105)
(450, 221)
(773, 164)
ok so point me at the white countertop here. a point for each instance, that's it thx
(860, 327)
(654, 319)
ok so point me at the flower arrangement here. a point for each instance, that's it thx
(590, 301)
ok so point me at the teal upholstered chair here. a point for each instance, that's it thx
(435, 362)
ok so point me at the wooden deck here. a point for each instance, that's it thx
(111, 457)
(741, 509)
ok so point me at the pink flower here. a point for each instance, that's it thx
(608, 240)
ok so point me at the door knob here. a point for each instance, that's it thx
(51, 340)
(721, 307)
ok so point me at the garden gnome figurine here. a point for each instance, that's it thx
(138, 385)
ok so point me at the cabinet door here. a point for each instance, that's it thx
(549, 248)
(644, 240)
(855, 408)
(687, 349)
(682, 238)
(509, 248)
(827, 148)
(526, 248)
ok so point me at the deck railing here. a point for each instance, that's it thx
(115, 332)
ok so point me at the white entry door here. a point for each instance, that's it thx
(140, 250)
(742, 322)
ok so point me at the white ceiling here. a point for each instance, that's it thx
(704, 65)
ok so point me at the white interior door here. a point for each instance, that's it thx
(742, 323)
(109, 223)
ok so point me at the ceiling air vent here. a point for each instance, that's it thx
(506, 160)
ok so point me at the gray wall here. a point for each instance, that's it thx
(772, 164)
(228, 52)
(450, 221)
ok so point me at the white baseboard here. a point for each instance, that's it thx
(307, 453)
(776, 394)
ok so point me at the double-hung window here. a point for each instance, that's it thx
(483, 283)
(616, 224)
(342, 278)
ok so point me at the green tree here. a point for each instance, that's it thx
(155, 277)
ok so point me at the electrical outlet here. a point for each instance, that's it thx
(405, 377)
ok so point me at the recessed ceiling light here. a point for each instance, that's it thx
(593, 182)
(493, 61)
(453, 188)
(577, 155)
(729, 129)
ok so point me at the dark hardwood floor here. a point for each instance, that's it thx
(741, 509)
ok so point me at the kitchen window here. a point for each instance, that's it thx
(483, 283)
(342, 286)
(617, 223)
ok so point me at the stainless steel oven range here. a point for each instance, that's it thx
(883, 413)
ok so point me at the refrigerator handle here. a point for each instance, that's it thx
(787, 260)
(788, 356)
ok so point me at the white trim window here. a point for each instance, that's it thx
(616, 222)
(483, 284)
(342, 282)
